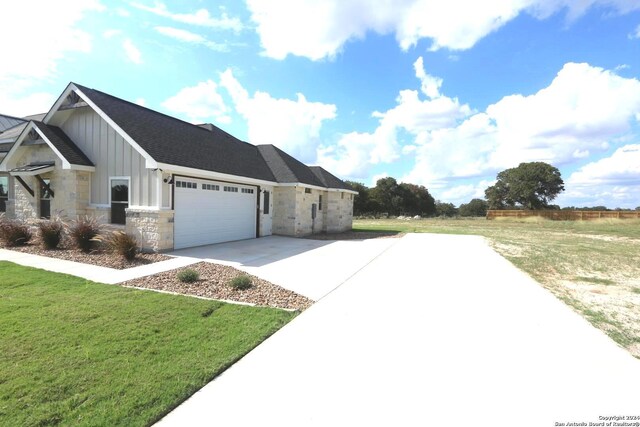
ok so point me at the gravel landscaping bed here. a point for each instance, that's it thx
(213, 283)
(356, 235)
(98, 257)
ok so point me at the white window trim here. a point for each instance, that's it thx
(128, 179)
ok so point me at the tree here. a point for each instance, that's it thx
(530, 185)
(445, 209)
(387, 195)
(476, 207)
(417, 200)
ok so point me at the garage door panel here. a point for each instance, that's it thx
(212, 216)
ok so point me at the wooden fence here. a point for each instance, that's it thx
(563, 215)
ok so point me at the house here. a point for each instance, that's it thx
(170, 183)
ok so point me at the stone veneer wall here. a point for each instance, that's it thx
(305, 224)
(71, 188)
(339, 212)
(152, 228)
(292, 211)
(284, 211)
(25, 206)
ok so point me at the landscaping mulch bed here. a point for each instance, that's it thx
(213, 283)
(98, 257)
(356, 235)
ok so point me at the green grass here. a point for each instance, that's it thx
(75, 352)
(601, 259)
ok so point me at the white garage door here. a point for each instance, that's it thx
(209, 212)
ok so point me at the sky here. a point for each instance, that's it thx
(440, 93)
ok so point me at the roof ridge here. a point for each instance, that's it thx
(142, 107)
(281, 159)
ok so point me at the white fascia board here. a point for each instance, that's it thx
(83, 168)
(150, 162)
(204, 174)
(14, 147)
(315, 187)
(58, 102)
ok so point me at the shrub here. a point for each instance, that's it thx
(51, 233)
(188, 276)
(14, 232)
(84, 232)
(240, 283)
(123, 244)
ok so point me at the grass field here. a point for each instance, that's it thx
(80, 353)
(593, 266)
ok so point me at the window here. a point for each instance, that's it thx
(350, 196)
(342, 195)
(247, 190)
(186, 184)
(119, 200)
(45, 199)
(231, 189)
(265, 199)
(307, 190)
(211, 187)
(4, 193)
(320, 203)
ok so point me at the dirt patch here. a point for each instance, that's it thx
(507, 250)
(213, 283)
(356, 235)
(98, 257)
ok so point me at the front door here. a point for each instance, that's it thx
(119, 200)
(45, 199)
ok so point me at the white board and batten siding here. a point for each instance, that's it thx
(206, 214)
(112, 156)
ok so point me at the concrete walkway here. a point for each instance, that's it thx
(437, 330)
(93, 272)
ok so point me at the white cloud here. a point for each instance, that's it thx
(635, 34)
(199, 103)
(132, 52)
(123, 12)
(355, 152)
(108, 34)
(462, 193)
(201, 17)
(558, 124)
(35, 58)
(189, 37)
(292, 125)
(621, 168)
(320, 29)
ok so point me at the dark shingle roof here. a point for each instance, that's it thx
(329, 180)
(63, 144)
(206, 147)
(285, 168)
(173, 141)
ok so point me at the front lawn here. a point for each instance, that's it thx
(76, 352)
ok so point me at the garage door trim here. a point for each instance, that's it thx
(175, 177)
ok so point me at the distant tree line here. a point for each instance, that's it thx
(389, 197)
(528, 186)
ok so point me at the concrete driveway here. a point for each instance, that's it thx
(437, 330)
(312, 268)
